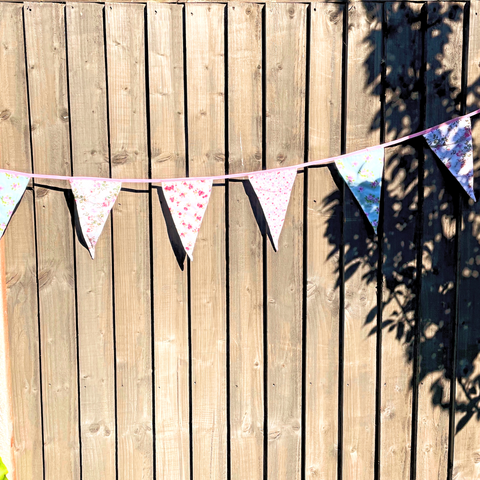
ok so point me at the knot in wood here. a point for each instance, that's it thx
(5, 115)
(41, 192)
(333, 17)
(120, 158)
(63, 115)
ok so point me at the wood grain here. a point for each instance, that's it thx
(245, 253)
(170, 286)
(443, 84)
(90, 157)
(285, 133)
(324, 217)
(403, 47)
(21, 261)
(206, 143)
(467, 368)
(48, 89)
(361, 250)
(127, 99)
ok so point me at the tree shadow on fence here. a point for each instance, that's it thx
(430, 313)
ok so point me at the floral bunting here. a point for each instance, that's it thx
(453, 145)
(363, 174)
(273, 190)
(12, 188)
(94, 200)
(187, 198)
(187, 202)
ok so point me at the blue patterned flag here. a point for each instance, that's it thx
(12, 188)
(363, 173)
(453, 145)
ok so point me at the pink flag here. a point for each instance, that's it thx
(453, 145)
(187, 202)
(94, 199)
(273, 190)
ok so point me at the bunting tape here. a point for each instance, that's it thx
(244, 174)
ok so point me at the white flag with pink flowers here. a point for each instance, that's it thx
(273, 190)
(94, 200)
(187, 202)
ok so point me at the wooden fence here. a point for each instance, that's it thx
(341, 356)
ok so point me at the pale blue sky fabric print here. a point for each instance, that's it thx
(453, 145)
(12, 188)
(363, 173)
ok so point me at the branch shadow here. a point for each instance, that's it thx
(421, 202)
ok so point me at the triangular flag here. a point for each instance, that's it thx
(187, 202)
(94, 200)
(273, 190)
(453, 145)
(363, 173)
(12, 188)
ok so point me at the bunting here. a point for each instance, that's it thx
(363, 174)
(453, 145)
(187, 202)
(94, 200)
(187, 199)
(12, 188)
(273, 190)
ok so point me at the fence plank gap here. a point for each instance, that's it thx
(443, 84)
(206, 145)
(20, 254)
(127, 98)
(246, 251)
(48, 91)
(467, 369)
(400, 212)
(170, 286)
(286, 37)
(361, 250)
(90, 157)
(324, 238)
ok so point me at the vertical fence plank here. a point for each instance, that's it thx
(167, 133)
(403, 49)
(245, 252)
(324, 237)
(467, 369)
(21, 262)
(443, 85)
(285, 134)
(361, 251)
(47, 72)
(90, 157)
(131, 244)
(206, 128)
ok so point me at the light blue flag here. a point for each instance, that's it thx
(363, 173)
(12, 188)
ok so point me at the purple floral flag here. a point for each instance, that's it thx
(453, 145)
(363, 173)
(12, 188)
(94, 200)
